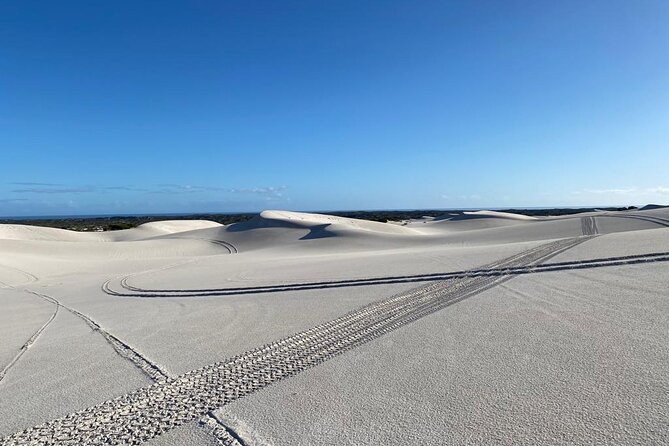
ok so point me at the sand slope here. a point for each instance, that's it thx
(142, 232)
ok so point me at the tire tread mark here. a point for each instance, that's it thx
(589, 226)
(24, 348)
(222, 434)
(123, 349)
(547, 267)
(657, 220)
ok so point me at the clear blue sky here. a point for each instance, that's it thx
(164, 106)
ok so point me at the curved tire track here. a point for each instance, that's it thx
(31, 277)
(657, 220)
(654, 217)
(547, 267)
(232, 249)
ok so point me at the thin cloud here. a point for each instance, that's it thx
(177, 189)
(126, 188)
(610, 191)
(273, 192)
(35, 184)
(12, 200)
(55, 190)
(269, 193)
(52, 188)
(661, 190)
(470, 197)
(658, 190)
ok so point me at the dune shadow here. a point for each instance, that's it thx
(315, 231)
(318, 231)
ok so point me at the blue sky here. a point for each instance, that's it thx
(222, 106)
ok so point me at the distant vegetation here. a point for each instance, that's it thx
(559, 211)
(112, 223)
(384, 216)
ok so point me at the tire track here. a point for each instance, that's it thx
(229, 246)
(148, 412)
(547, 267)
(232, 249)
(589, 226)
(222, 434)
(32, 339)
(151, 370)
(661, 219)
(123, 349)
(31, 277)
(657, 220)
(107, 288)
(24, 348)
(219, 431)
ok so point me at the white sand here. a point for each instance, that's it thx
(550, 358)
(547, 359)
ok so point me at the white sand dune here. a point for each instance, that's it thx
(24, 232)
(496, 214)
(158, 228)
(302, 219)
(577, 351)
(142, 232)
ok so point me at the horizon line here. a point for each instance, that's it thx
(320, 211)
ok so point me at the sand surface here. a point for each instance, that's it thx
(574, 353)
